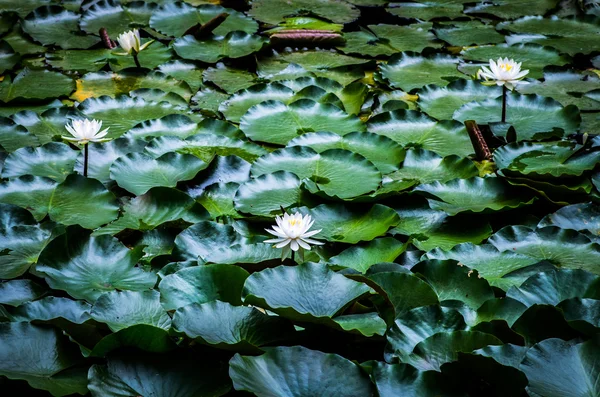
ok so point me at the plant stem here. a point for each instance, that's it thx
(135, 59)
(504, 92)
(293, 256)
(86, 157)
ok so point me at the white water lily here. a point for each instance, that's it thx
(292, 233)
(131, 41)
(504, 72)
(84, 131)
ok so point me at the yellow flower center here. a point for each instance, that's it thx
(506, 67)
(293, 222)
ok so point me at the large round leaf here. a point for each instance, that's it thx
(583, 217)
(351, 224)
(391, 380)
(475, 194)
(412, 128)
(138, 172)
(222, 325)
(211, 49)
(299, 372)
(87, 266)
(51, 308)
(275, 122)
(174, 19)
(14, 136)
(409, 70)
(202, 284)
(442, 102)
(17, 292)
(23, 244)
(82, 201)
(565, 248)
(468, 33)
(532, 116)
(275, 11)
(114, 17)
(53, 160)
(557, 368)
(425, 167)
(362, 256)
(266, 194)
(30, 192)
(35, 84)
(38, 355)
(308, 292)
(239, 103)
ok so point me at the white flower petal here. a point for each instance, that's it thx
(294, 245)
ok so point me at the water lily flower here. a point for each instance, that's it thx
(84, 131)
(292, 233)
(505, 72)
(131, 42)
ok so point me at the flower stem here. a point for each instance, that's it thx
(136, 60)
(504, 92)
(86, 157)
(293, 256)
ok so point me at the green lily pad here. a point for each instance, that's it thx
(138, 172)
(235, 44)
(444, 347)
(202, 284)
(414, 326)
(114, 84)
(205, 146)
(565, 248)
(580, 217)
(566, 86)
(229, 79)
(412, 128)
(510, 9)
(122, 309)
(162, 375)
(35, 84)
(41, 356)
(442, 102)
(157, 206)
(224, 326)
(17, 292)
(475, 194)
(425, 167)
(87, 266)
(351, 224)
(383, 152)
(390, 379)
(532, 116)
(410, 70)
(557, 368)
(430, 228)
(54, 25)
(555, 286)
(239, 103)
(47, 125)
(275, 122)
(116, 18)
(53, 160)
(266, 194)
(490, 263)
(362, 256)
(557, 159)
(582, 314)
(569, 35)
(24, 243)
(174, 19)
(121, 113)
(30, 192)
(82, 201)
(172, 125)
(187, 71)
(427, 10)
(404, 291)
(468, 33)
(8, 57)
(273, 11)
(308, 292)
(14, 136)
(533, 56)
(51, 308)
(453, 282)
(218, 199)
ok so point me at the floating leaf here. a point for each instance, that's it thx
(114, 17)
(210, 50)
(17, 292)
(266, 194)
(53, 160)
(361, 257)
(468, 33)
(298, 371)
(273, 12)
(35, 84)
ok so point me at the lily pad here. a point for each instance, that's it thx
(412, 128)
(224, 326)
(390, 379)
(53, 160)
(308, 292)
(202, 284)
(275, 122)
(565, 248)
(138, 172)
(475, 194)
(210, 50)
(581, 217)
(17, 292)
(87, 266)
(409, 70)
(275, 11)
(425, 167)
(14, 136)
(266, 194)
(174, 19)
(532, 116)
(510, 9)
(8, 57)
(468, 33)
(115, 17)
(30, 192)
(361, 257)
(427, 10)
(47, 84)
